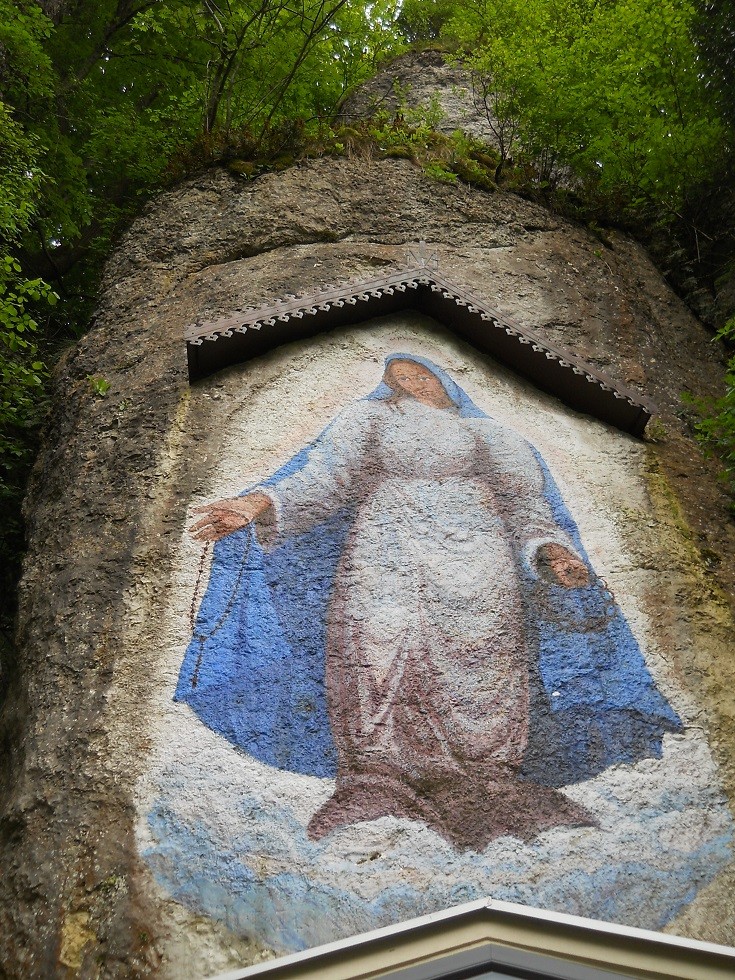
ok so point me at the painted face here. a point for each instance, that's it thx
(415, 380)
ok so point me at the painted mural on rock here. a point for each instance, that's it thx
(425, 689)
(415, 616)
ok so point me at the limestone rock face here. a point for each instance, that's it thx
(109, 587)
(423, 86)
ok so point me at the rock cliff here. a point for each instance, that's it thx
(117, 472)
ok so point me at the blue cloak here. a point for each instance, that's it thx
(254, 670)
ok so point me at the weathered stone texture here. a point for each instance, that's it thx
(423, 87)
(109, 496)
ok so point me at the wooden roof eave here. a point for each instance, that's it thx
(213, 345)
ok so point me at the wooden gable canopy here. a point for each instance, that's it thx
(419, 286)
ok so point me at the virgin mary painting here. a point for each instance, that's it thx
(406, 607)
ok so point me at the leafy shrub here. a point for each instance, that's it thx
(716, 426)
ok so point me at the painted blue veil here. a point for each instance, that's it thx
(254, 670)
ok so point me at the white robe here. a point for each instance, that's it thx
(427, 658)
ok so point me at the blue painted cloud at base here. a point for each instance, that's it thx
(245, 860)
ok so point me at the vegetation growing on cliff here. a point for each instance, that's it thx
(623, 105)
(617, 110)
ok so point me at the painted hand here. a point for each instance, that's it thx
(563, 566)
(224, 517)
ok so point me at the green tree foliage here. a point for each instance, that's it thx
(604, 96)
(714, 32)
(24, 77)
(424, 21)
(145, 89)
(22, 374)
(716, 424)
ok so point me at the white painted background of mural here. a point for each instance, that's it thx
(249, 862)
